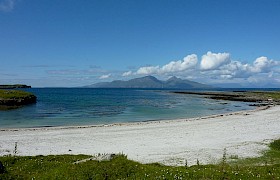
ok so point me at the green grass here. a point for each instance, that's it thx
(13, 94)
(62, 167)
(275, 145)
(271, 157)
(275, 95)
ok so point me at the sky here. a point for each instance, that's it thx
(70, 43)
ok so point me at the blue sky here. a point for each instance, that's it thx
(69, 43)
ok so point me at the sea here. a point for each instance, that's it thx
(89, 106)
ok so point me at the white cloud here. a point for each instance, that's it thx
(236, 69)
(128, 73)
(148, 70)
(212, 61)
(106, 76)
(7, 5)
(188, 62)
(216, 67)
(263, 64)
(226, 76)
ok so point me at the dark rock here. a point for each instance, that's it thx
(19, 102)
(235, 96)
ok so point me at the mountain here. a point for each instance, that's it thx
(153, 83)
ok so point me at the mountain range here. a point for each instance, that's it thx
(153, 83)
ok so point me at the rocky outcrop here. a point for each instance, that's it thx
(261, 98)
(14, 86)
(19, 101)
(11, 99)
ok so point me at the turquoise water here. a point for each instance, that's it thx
(74, 106)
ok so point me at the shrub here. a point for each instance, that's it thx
(275, 145)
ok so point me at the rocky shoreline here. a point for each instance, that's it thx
(259, 98)
(12, 99)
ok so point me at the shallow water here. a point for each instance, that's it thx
(82, 106)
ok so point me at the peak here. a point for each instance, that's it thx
(149, 77)
(153, 82)
(173, 78)
(146, 78)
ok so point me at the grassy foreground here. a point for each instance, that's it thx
(62, 167)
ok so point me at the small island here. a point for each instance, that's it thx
(12, 99)
(14, 86)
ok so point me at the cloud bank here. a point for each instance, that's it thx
(215, 67)
(188, 62)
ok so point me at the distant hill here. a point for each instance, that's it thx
(152, 82)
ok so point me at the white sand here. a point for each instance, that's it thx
(245, 134)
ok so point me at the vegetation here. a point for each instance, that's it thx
(63, 167)
(271, 157)
(275, 95)
(13, 94)
(275, 145)
(10, 99)
(260, 97)
(14, 86)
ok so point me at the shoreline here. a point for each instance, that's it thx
(258, 108)
(170, 142)
(261, 98)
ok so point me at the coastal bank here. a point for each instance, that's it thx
(12, 99)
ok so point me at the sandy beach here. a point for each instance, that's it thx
(171, 142)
